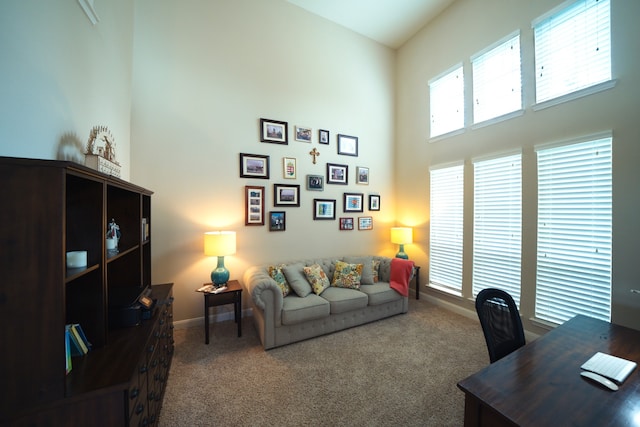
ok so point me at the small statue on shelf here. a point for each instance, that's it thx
(113, 236)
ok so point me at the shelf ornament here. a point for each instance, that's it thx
(101, 152)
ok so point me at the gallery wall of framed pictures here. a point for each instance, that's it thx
(257, 166)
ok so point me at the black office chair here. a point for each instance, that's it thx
(500, 322)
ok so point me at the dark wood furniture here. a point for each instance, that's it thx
(50, 208)
(417, 278)
(232, 295)
(540, 383)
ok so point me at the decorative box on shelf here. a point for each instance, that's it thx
(102, 165)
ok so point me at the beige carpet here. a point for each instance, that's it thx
(400, 371)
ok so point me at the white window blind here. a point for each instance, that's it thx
(446, 216)
(572, 48)
(497, 225)
(446, 102)
(497, 80)
(574, 231)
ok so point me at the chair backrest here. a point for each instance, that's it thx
(500, 321)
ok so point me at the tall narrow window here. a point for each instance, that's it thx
(446, 102)
(497, 225)
(574, 231)
(446, 216)
(497, 80)
(572, 48)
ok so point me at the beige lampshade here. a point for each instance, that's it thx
(401, 235)
(219, 243)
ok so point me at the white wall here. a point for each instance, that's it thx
(61, 76)
(204, 74)
(461, 31)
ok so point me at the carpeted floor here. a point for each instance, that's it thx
(400, 371)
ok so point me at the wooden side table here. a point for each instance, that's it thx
(231, 295)
(417, 277)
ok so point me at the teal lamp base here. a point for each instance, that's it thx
(401, 253)
(220, 276)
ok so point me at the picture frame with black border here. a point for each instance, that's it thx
(277, 221)
(374, 202)
(337, 174)
(315, 182)
(353, 202)
(365, 223)
(253, 205)
(274, 131)
(303, 133)
(346, 223)
(324, 209)
(254, 166)
(286, 195)
(362, 175)
(323, 136)
(348, 145)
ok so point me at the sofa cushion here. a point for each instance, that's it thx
(380, 293)
(275, 271)
(367, 268)
(342, 300)
(297, 310)
(317, 278)
(347, 275)
(297, 279)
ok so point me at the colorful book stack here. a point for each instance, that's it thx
(76, 343)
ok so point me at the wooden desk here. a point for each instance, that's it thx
(231, 295)
(540, 383)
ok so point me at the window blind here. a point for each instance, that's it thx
(572, 48)
(574, 231)
(446, 216)
(497, 225)
(497, 80)
(446, 102)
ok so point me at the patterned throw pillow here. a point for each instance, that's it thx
(317, 277)
(275, 271)
(376, 270)
(347, 275)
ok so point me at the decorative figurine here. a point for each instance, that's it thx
(113, 235)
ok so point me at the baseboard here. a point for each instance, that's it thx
(214, 318)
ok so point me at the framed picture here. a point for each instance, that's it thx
(348, 145)
(365, 223)
(374, 202)
(273, 131)
(286, 195)
(346, 224)
(324, 209)
(315, 182)
(303, 134)
(323, 136)
(289, 170)
(254, 205)
(337, 174)
(362, 175)
(353, 202)
(277, 221)
(254, 166)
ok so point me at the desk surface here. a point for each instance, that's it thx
(540, 384)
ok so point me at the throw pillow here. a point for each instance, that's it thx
(297, 280)
(375, 264)
(367, 268)
(317, 277)
(347, 275)
(275, 271)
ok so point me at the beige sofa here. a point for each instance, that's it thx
(282, 320)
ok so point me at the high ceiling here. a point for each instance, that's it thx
(390, 22)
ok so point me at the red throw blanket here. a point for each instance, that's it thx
(401, 271)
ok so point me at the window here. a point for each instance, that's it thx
(574, 231)
(572, 48)
(445, 250)
(497, 80)
(497, 224)
(446, 102)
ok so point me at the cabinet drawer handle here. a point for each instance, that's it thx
(139, 408)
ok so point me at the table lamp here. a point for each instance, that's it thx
(401, 236)
(219, 243)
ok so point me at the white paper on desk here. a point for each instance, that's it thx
(612, 367)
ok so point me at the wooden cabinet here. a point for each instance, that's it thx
(48, 209)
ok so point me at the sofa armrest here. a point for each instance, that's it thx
(265, 293)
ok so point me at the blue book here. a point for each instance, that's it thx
(67, 346)
(86, 342)
(76, 348)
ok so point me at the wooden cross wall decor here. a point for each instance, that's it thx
(314, 153)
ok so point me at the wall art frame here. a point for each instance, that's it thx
(323, 136)
(315, 182)
(286, 195)
(303, 134)
(362, 175)
(254, 166)
(348, 145)
(324, 209)
(253, 205)
(346, 223)
(365, 223)
(277, 221)
(337, 174)
(289, 169)
(353, 202)
(374, 202)
(274, 131)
